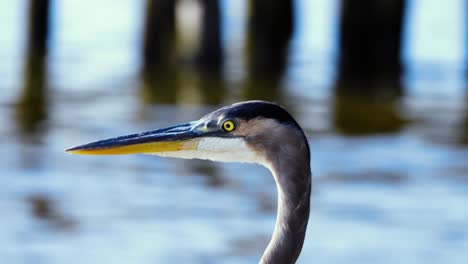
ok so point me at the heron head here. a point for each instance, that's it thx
(252, 131)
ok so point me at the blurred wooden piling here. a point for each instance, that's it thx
(464, 135)
(370, 45)
(271, 24)
(463, 138)
(38, 28)
(368, 85)
(270, 28)
(210, 55)
(463, 131)
(32, 103)
(159, 35)
(159, 76)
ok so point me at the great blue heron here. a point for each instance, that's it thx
(253, 131)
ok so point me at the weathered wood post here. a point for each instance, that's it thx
(368, 83)
(159, 77)
(159, 34)
(210, 60)
(210, 55)
(270, 27)
(370, 46)
(32, 106)
(464, 136)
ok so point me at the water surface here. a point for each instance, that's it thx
(394, 197)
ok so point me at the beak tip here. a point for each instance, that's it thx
(69, 149)
(77, 150)
(72, 150)
(174, 138)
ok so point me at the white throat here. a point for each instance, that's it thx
(218, 149)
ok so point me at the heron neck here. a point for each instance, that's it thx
(294, 188)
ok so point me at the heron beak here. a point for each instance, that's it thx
(175, 138)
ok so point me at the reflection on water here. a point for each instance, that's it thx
(45, 209)
(32, 105)
(351, 114)
(390, 176)
(464, 126)
(212, 87)
(161, 87)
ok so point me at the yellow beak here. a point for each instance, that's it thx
(175, 138)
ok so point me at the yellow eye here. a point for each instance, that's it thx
(229, 125)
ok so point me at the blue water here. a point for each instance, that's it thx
(383, 198)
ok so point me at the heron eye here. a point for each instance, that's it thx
(229, 125)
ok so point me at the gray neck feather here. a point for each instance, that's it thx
(293, 180)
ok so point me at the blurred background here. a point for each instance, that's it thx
(379, 86)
